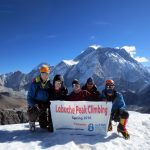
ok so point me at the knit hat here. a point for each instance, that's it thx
(58, 77)
(90, 81)
(75, 81)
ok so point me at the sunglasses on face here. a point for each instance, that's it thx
(44, 74)
(75, 85)
(57, 82)
(110, 86)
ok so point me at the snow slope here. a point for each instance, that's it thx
(17, 137)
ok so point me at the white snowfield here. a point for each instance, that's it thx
(18, 137)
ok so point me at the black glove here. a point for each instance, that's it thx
(115, 116)
(33, 109)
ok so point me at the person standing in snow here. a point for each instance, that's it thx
(92, 89)
(118, 112)
(59, 91)
(38, 100)
(78, 94)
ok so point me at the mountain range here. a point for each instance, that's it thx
(100, 63)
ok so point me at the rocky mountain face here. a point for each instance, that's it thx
(13, 116)
(131, 78)
(12, 107)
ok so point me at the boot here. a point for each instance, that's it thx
(122, 128)
(110, 126)
(32, 126)
(50, 128)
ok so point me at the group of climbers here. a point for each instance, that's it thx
(42, 91)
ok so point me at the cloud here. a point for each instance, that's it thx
(141, 59)
(132, 51)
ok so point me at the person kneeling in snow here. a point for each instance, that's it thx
(38, 100)
(118, 112)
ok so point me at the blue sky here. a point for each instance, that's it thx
(35, 31)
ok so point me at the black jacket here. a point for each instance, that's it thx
(94, 92)
(59, 95)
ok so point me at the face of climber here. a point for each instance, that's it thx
(44, 76)
(58, 85)
(89, 86)
(76, 88)
(110, 89)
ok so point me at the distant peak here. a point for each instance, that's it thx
(95, 46)
(70, 62)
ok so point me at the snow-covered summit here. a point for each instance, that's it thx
(95, 46)
(105, 63)
(70, 62)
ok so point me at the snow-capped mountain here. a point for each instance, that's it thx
(148, 68)
(62, 67)
(104, 63)
(131, 77)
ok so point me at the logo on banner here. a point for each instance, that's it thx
(91, 127)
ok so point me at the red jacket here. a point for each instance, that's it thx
(82, 95)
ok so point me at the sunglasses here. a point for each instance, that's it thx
(76, 85)
(44, 73)
(58, 82)
(110, 86)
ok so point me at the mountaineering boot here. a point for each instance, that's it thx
(122, 128)
(32, 126)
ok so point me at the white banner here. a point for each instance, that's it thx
(81, 117)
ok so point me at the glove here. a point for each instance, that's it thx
(34, 109)
(115, 116)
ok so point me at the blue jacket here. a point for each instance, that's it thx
(117, 101)
(38, 92)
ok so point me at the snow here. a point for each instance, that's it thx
(117, 58)
(70, 62)
(95, 46)
(17, 137)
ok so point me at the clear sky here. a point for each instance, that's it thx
(35, 31)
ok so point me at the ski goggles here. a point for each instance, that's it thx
(111, 86)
